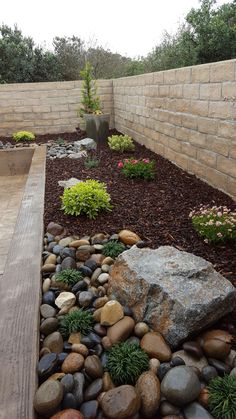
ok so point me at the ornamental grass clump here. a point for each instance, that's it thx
(69, 277)
(126, 362)
(215, 224)
(222, 397)
(138, 168)
(86, 198)
(121, 143)
(113, 248)
(23, 136)
(77, 321)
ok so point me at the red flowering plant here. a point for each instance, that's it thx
(138, 168)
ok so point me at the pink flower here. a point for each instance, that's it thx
(120, 165)
(146, 160)
(134, 161)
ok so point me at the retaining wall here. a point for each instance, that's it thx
(187, 115)
(46, 107)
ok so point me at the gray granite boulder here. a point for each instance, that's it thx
(176, 293)
(85, 144)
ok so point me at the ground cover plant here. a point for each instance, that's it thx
(23, 136)
(222, 397)
(138, 168)
(121, 143)
(76, 321)
(215, 224)
(126, 362)
(69, 277)
(113, 248)
(158, 211)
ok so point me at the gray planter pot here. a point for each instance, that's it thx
(97, 126)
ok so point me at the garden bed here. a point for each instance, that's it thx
(156, 210)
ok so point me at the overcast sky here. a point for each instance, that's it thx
(129, 27)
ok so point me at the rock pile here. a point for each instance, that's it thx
(73, 150)
(74, 377)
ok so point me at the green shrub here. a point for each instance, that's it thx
(91, 163)
(222, 397)
(126, 362)
(90, 101)
(113, 248)
(141, 168)
(215, 224)
(69, 276)
(121, 143)
(23, 136)
(86, 198)
(76, 321)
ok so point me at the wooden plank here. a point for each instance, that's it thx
(20, 295)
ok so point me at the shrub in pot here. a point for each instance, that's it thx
(96, 123)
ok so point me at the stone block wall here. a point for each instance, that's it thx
(187, 115)
(46, 107)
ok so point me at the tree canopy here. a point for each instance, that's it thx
(207, 34)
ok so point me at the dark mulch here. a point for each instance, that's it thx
(45, 138)
(156, 210)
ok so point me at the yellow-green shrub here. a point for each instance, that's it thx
(23, 136)
(120, 143)
(88, 198)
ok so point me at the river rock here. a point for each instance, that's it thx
(148, 387)
(47, 364)
(190, 360)
(93, 366)
(196, 411)
(47, 311)
(93, 390)
(48, 396)
(180, 386)
(128, 237)
(121, 330)
(89, 409)
(78, 390)
(68, 263)
(55, 229)
(155, 346)
(73, 363)
(68, 414)
(54, 342)
(49, 325)
(65, 241)
(141, 329)
(78, 243)
(174, 292)
(111, 313)
(65, 301)
(120, 402)
(51, 259)
(68, 382)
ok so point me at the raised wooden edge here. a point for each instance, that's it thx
(20, 296)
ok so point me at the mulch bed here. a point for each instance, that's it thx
(156, 210)
(45, 138)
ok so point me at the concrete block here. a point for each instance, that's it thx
(201, 74)
(223, 71)
(207, 157)
(211, 91)
(207, 125)
(191, 91)
(218, 145)
(227, 166)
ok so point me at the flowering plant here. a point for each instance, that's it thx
(215, 224)
(138, 168)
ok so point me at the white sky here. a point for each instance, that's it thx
(129, 27)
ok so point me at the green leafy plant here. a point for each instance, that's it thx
(90, 101)
(76, 321)
(141, 168)
(91, 163)
(215, 224)
(222, 397)
(86, 198)
(126, 362)
(60, 141)
(69, 276)
(23, 136)
(113, 248)
(121, 143)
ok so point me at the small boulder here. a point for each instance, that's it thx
(128, 237)
(121, 330)
(111, 313)
(155, 346)
(148, 387)
(121, 402)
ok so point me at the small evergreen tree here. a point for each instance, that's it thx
(90, 100)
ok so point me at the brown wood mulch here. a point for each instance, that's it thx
(156, 210)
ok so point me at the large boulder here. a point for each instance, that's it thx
(176, 293)
(85, 144)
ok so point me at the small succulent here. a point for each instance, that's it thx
(76, 321)
(126, 362)
(113, 248)
(91, 163)
(69, 277)
(222, 397)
